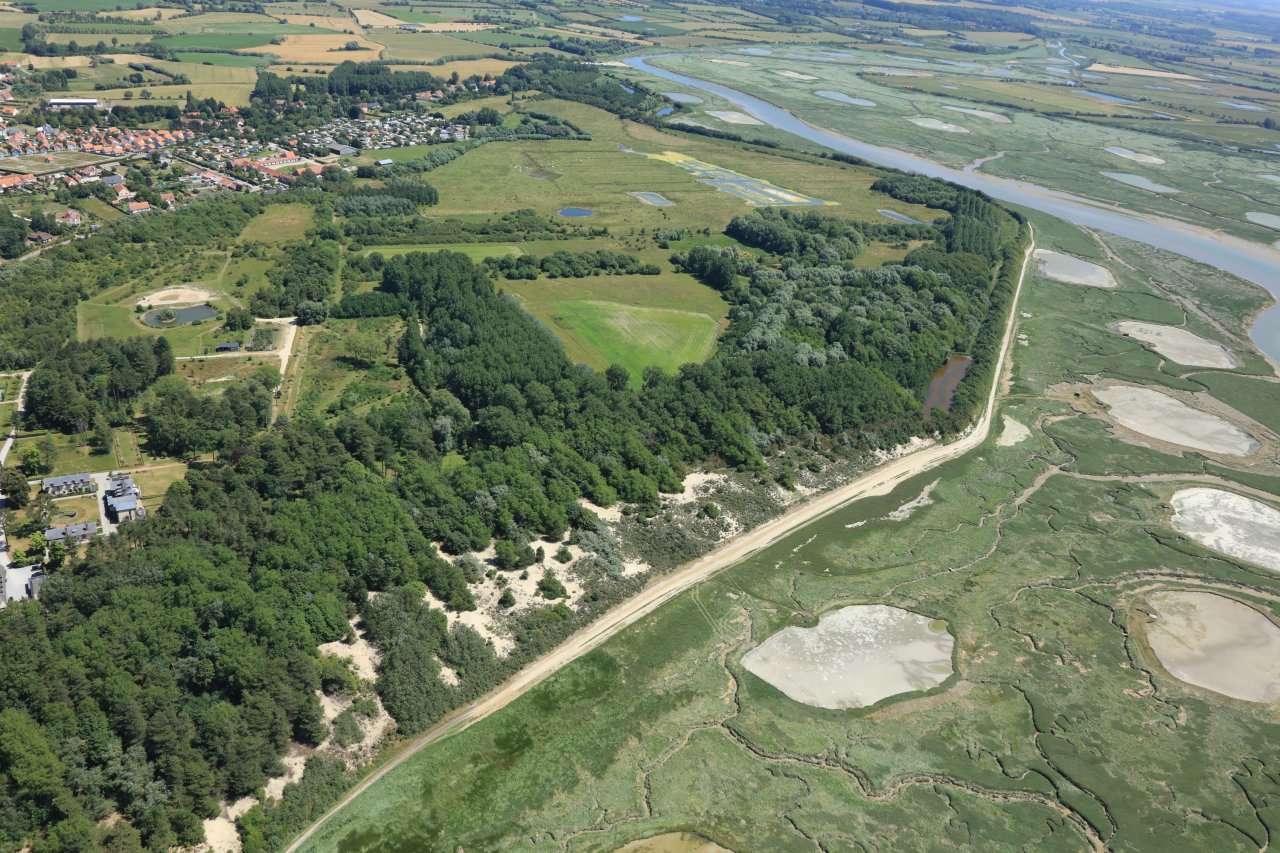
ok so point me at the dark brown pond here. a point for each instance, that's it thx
(943, 385)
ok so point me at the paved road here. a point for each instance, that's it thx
(880, 481)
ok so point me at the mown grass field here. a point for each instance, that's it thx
(279, 223)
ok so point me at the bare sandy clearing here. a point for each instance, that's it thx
(1134, 155)
(924, 499)
(294, 762)
(1230, 524)
(1165, 418)
(176, 296)
(1069, 269)
(733, 117)
(855, 657)
(935, 124)
(362, 654)
(1216, 643)
(1177, 344)
(1012, 433)
(730, 62)
(697, 485)
(982, 114)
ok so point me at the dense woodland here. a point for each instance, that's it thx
(170, 669)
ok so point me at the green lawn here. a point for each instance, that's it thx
(279, 223)
(603, 333)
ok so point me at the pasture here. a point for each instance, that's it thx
(279, 223)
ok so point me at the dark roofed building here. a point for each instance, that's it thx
(123, 499)
(228, 346)
(72, 534)
(68, 484)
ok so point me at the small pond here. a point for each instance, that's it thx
(1236, 105)
(1140, 182)
(1115, 99)
(844, 99)
(942, 387)
(577, 212)
(164, 318)
(665, 111)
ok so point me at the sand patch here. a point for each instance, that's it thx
(855, 657)
(699, 484)
(795, 75)
(1140, 182)
(733, 117)
(176, 296)
(1269, 220)
(1134, 155)
(982, 114)
(1069, 269)
(1230, 524)
(1012, 433)
(1216, 643)
(1140, 72)
(1165, 418)
(924, 499)
(1177, 344)
(363, 655)
(294, 761)
(935, 124)
(736, 62)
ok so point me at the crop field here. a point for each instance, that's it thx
(1038, 550)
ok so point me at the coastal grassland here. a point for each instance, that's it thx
(1037, 550)
(598, 175)
(1077, 146)
(279, 223)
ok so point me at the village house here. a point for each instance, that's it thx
(67, 484)
(72, 534)
(123, 499)
(137, 207)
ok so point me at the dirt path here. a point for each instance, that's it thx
(880, 481)
(13, 430)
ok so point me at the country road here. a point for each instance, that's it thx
(879, 481)
(13, 431)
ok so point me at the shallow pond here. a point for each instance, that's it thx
(855, 657)
(844, 99)
(942, 387)
(1115, 99)
(576, 212)
(1140, 182)
(1168, 419)
(1229, 523)
(181, 316)
(1216, 643)
(1069, 269)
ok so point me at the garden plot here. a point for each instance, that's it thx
(1216, 643)
(982, 114)
(1164, 418)
(935, 124)
(855, 657)
(1069, 269)
(1230, 524)
(1134, 155)
(1177, 344)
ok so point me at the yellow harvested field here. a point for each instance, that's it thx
(324, 22)
(321, 47)
(197, 23)
(234, 94)
(148, 14)
(49, 61)
(455, 27)
(370, 18)
(1140, 72)
(92, 38)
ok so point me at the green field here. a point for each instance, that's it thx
(279, 223)
(600, 333)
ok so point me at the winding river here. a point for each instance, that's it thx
(1254, 262)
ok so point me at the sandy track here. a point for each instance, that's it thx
(13, 432)
(879, 481)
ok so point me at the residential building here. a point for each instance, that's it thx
(123, 499)
(67, 484)
(72, 534)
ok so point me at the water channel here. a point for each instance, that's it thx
(1254, 262)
